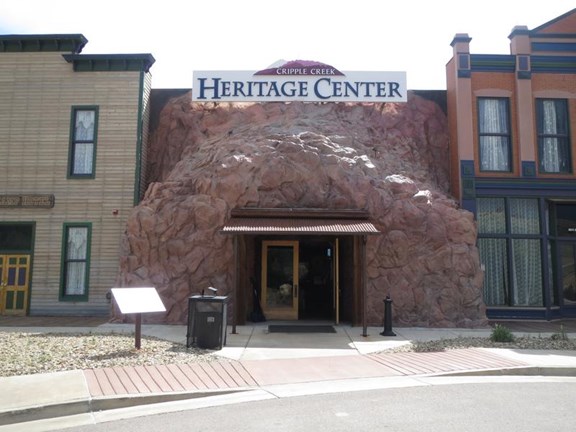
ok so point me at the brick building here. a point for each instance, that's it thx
(512, 164)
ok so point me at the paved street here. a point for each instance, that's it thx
(490, 406)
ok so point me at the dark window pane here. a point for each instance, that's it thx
(15, 237)
(566, 220)
(21, 276)
(12, 276)
(10, 300)
(20, 300)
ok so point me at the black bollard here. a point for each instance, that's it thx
(388, 318)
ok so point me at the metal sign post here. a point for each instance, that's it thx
(138, 301)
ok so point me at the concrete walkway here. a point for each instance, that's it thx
(254, 362)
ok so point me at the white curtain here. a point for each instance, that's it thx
(527, 254)
(527, 273)
(491, 215)
(84, 126)
(83, 158)
(76, 248)
(524, 216)
(84, 142)
(493, 255)
(555, 156)
(494, 139)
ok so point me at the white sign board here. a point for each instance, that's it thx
(138, 300)
(299, 81)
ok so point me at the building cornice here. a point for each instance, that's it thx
(72, 43)
(110, 62)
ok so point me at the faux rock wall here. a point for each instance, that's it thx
(389, 159)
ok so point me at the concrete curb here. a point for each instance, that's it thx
(65, 409)
(559, 371)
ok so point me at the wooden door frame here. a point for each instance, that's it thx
(248, 262)
(277, 313)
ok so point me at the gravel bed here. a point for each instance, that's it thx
(32, 353)
(532, 343)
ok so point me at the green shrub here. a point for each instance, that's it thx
(501, 333)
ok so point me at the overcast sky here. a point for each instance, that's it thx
(351, 35)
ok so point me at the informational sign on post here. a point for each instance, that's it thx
(138, 301)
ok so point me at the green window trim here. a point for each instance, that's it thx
(82, 262)
(82, 167)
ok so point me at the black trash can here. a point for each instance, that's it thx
(207, 321)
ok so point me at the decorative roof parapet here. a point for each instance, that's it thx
(461, 38)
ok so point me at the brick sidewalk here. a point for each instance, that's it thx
(118, 381)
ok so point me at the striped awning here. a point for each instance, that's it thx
(302, 226)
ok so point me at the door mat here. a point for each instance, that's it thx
(276, 328)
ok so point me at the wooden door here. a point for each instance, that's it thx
(14, 284)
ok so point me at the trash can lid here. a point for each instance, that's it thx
(209, 298)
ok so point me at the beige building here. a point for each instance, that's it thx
(73, 143)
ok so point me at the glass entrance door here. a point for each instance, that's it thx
(280, 279)
(567, 261)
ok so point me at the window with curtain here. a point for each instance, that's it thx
(494, 134)
(75, 260)
(493, 253)
(83, 141)
(511, 251)
(553, 136)
(527, 274)
(491, 215)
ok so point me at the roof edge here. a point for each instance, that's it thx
(73, 43)
(110, 62)
(535, 30)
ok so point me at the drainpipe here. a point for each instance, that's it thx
(235, 294)
(364, 294)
